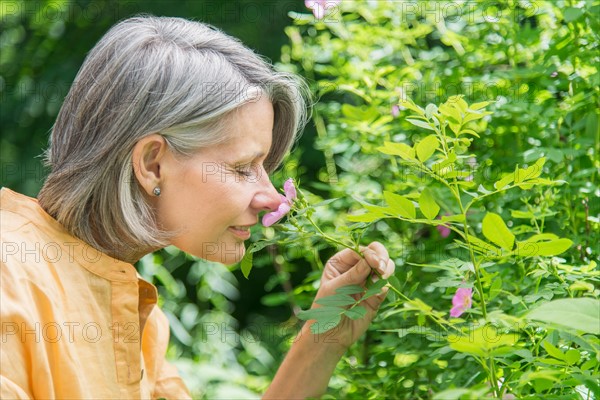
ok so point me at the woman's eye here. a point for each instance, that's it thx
(244, 172)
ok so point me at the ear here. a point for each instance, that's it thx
(146, 158)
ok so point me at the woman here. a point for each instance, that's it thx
(165, 138)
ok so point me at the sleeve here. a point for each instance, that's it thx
(162, 376)
(170, 385)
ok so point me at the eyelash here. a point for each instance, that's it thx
(243, 173)
(245, 170)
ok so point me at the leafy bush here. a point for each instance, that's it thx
(434, 181)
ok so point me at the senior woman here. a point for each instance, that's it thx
(165, 138)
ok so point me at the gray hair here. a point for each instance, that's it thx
(179, 78)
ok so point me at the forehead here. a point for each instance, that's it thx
(250, 128)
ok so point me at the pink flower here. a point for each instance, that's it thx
(395, 110)
(443, 230)
(318, 7)
(285, 206)
(461, 301)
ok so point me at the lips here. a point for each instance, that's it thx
(242, 227)
(241, 231)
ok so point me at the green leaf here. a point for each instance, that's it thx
(246, 263)
(482, 342)
(373, 213)
(451, 394)
(408, 103)
(496, 231)
(572, 356)
(504, 181)
(570, 14)
(395, 282)
(469, 132)
(320, 313)
(362, 113)
(521, 214)
(402, 150)
(402, 360)
(532, 248)
(579, 314)
(553, 351)
(441, 165)
(275, 299)
(374, 289)
(426, 147)
(337, 300)
(400, 205)
(350, 289)
(420, 124)
(484, 247)
(531, 172)
(366, 217)
(474, 117)
(356, 312)
(478, 106)
(427, 204)
(324, 325)
(451, 113)
(495, 288)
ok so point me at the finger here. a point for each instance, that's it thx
(380, 250)
(390, 269)
(355, 275)
(344, 260)
(377, 257)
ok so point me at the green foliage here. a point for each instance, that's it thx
(504, 155)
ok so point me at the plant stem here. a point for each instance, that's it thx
(474, 260)
(471, 253)
(332, 240)
(493, 378)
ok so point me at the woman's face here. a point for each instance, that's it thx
(213, 198)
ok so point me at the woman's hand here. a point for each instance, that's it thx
(297, 378)
(348, 268)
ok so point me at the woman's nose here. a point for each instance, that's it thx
(268, 198)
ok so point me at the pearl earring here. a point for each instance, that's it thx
(156, 191)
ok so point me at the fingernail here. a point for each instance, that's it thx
(374, 278)
(382, 265)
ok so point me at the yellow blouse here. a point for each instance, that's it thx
(76, 323)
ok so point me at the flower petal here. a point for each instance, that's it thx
(318, 11)
(271, 218)
(461, 301)
(274, 216)
(462, 297)
(456, 311)
(290, 190)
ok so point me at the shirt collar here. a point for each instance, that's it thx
(72, 249)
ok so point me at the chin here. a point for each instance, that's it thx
(225, 253)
